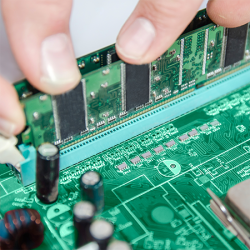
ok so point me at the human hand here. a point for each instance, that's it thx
(155, 25)
(39, 35)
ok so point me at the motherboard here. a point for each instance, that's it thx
(155, 183)
(158, 134)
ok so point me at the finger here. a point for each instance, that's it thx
(38, 32)
(12, 119)
(229, 13)
(153, 27)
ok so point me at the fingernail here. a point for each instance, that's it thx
(136, 40)
(6, 128)
(58, 63)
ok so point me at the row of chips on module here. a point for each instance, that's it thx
(70, 112)
(70, 109)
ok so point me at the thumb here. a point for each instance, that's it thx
(153, 27)
(38, 32)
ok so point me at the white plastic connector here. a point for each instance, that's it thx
(9, 153)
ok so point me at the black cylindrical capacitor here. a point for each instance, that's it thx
(117, 244)
(101, 232)
(47, 173)
(92, 189)
(84, 212)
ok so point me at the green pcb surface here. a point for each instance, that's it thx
(160, 202)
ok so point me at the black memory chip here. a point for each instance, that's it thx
(69, 112)
(115, 58)
(236, 42)
(137, 85)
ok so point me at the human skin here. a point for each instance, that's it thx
(39, 36)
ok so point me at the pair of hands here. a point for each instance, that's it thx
(39, 36)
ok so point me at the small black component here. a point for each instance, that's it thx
(92, 190)
(158, 149)
(198, 86)
(21, 229)
(135, 160)
(122, 166)
(101, 232)
(137, 85)
(146, 155)
(69, 112)
(199, 21)
(83, 212)
(115, 58)
(236, 43)
(47, 173)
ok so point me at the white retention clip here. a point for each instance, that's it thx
(9, 153)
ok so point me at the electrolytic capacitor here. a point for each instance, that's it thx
(84, 212)
(101, 232)
(91, 184)
(47, 173)
(121, 245)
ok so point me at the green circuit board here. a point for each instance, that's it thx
(195, 59)
(159, 202)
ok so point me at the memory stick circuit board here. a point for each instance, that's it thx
(112, 92)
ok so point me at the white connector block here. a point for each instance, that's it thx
(9, 153)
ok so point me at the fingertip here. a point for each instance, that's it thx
(152, 28)
(39, 35)
(58, 87)
(229, 13)
(59, 71)
(126, 58)
(12, 118)
(133, 43)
